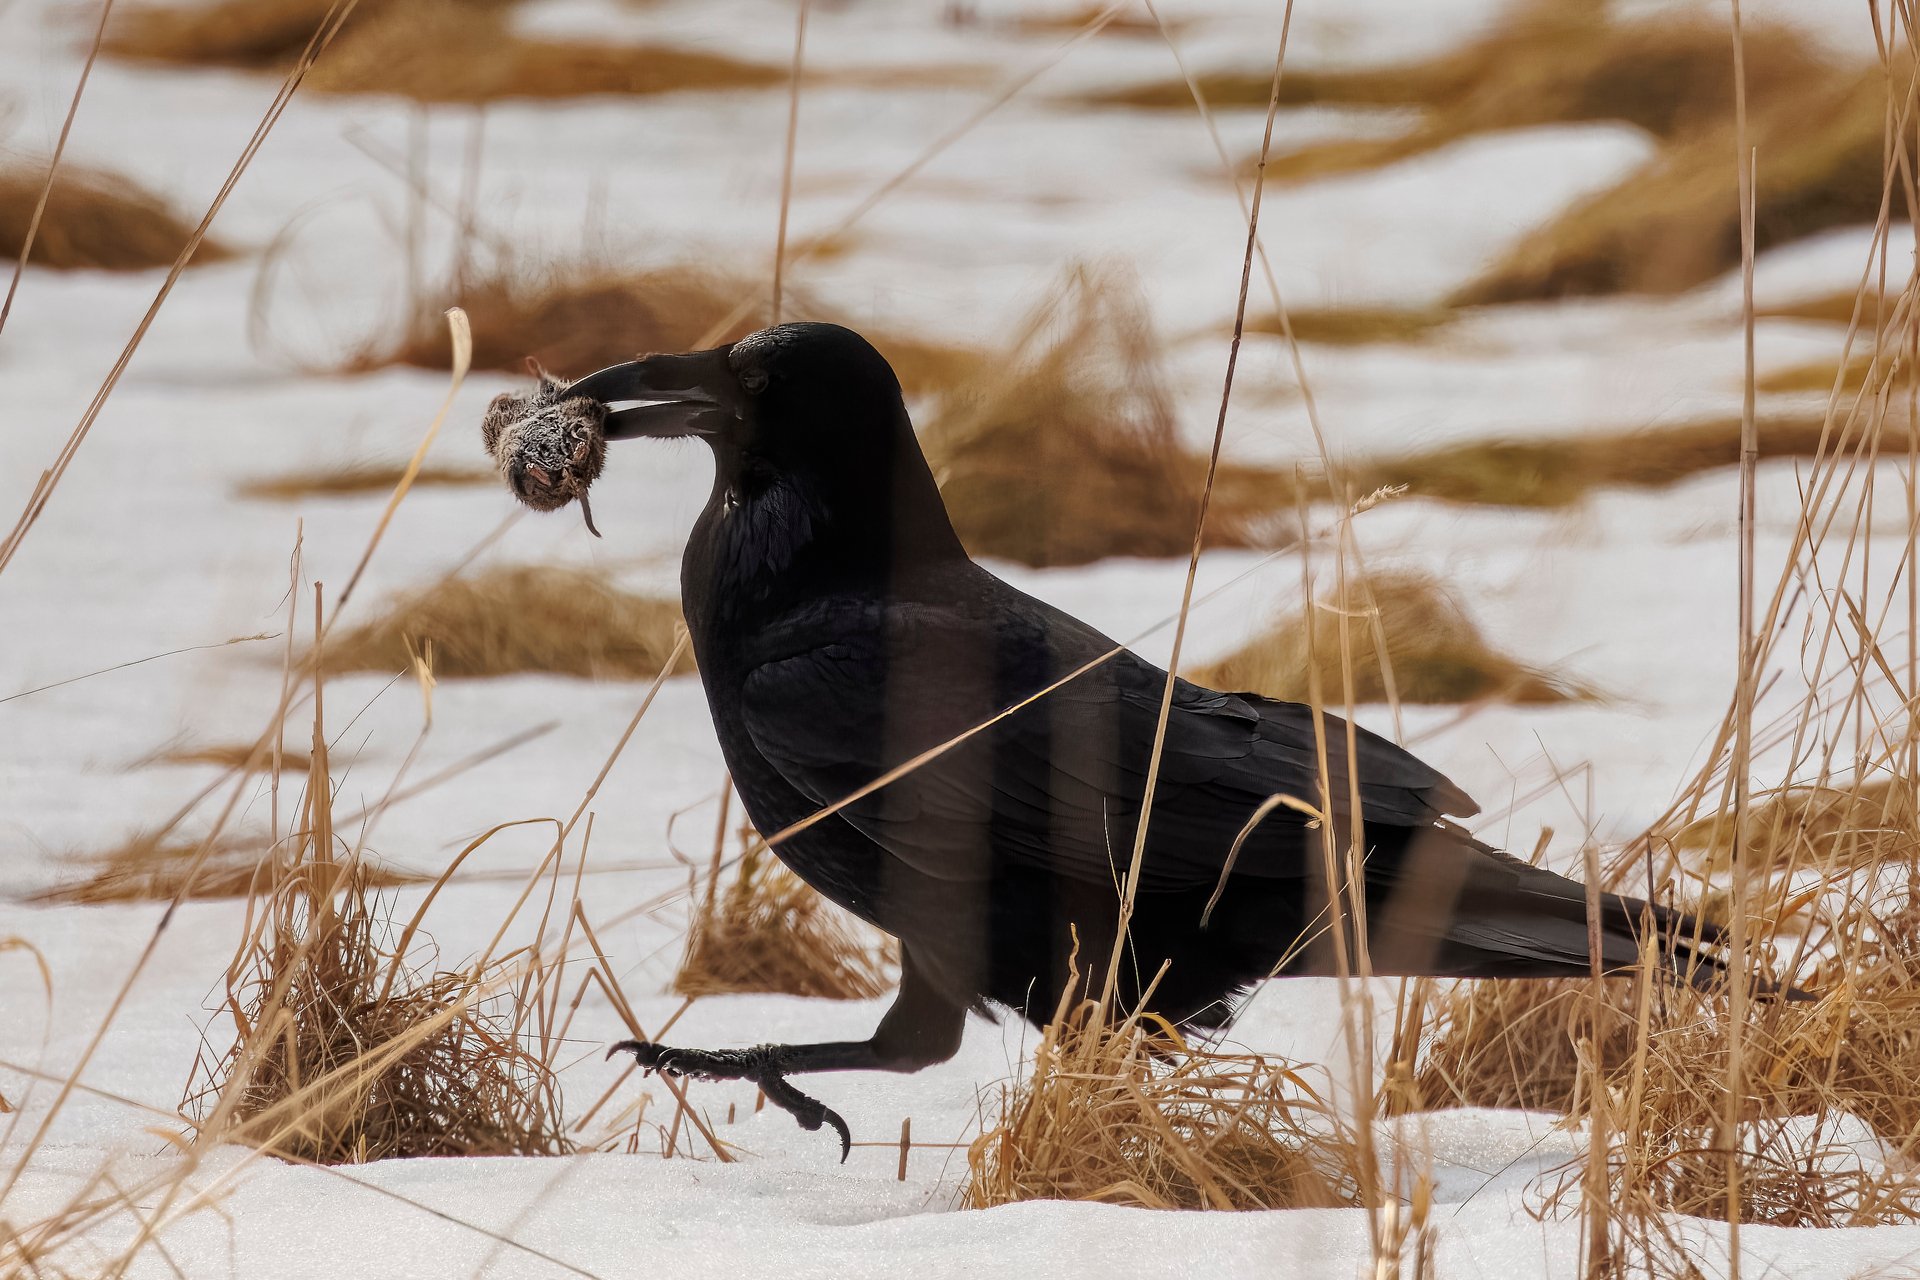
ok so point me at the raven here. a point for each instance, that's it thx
(842, 632)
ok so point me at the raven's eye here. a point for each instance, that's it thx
(754, 380)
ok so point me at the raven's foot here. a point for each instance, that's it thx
(764, 1065)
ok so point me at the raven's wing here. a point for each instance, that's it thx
(1058, 782)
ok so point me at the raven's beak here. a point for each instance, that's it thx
(664, 397)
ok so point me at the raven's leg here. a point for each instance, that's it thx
(921, 1028)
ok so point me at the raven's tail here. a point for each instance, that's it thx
(1449, 906)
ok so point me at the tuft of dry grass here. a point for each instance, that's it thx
(1665, 228)
(584, 316)
(227, 755)
(1082, 396)
(1434, 651)
(1833, 308)
(1647, 1061)
(1551, 63)
(1358, 326)
(361, 477)
(769, 931)
(348, 1046)
(514, 619)
(1674, 223)
(1566, 469)
(1131, 1114)
(430, 50)
(93, 221)
(1825, 827)
(1820, 376)
(149, 868)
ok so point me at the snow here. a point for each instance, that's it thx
(145, 549)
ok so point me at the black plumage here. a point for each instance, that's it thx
(842, 630)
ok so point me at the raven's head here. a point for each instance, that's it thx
(806, 422)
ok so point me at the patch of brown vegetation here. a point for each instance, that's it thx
(515, 619)
(1081, 397)
(585, 316)
(1667, 227)
(430, 50)
(1131, 1114)
(1069, 22)
(1564, 470)
(93, 221)
(1674, 223)
(1358, 326)
(348, 1045)
(1653, 1059)
(769, 931)
(1433, 650)
(1835, 308)
(1820, 376)
(150, 868)
(361, 477)
(1649, 1059)
(231, 755)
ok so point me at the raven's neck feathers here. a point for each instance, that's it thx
(770, 540)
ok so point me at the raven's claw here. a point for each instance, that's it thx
(762, 1065)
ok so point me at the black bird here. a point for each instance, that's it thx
(842, 630)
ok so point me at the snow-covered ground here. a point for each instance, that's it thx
(145, 549)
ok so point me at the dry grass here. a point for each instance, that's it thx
(584, 316)
(1082, 395)
(768, 931)
(1820, 376)
(361, 477)
(150, 868)
(1667, 227)
(1130, 1114)
(1833, 308)
(1817, 828)
(515, 619)
(1552, 63)
(347, 1046)
(1564, 470)
(430, 50)
(228, 755)
(93, 221)
(1649, 1062)
(1358, 326)
(1435, 653)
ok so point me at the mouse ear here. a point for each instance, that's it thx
(539, 371)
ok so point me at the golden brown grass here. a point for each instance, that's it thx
(150, 868)
(1565, 469)
(348, 1046)
(1674, 223)
(1665, 228)
(361, 477)
(1648, 1061)
(1434, 651)
(769, 931)
(1827, 827)
(93, 221)
(1358, 326)
(1662, 1062)
(583, 316)
(1129, 1113)
(228, 755)
(1066, 450)
(1552, 63)
(431, 50)
(1834, 308)
(515, 619)
(1819, 375)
